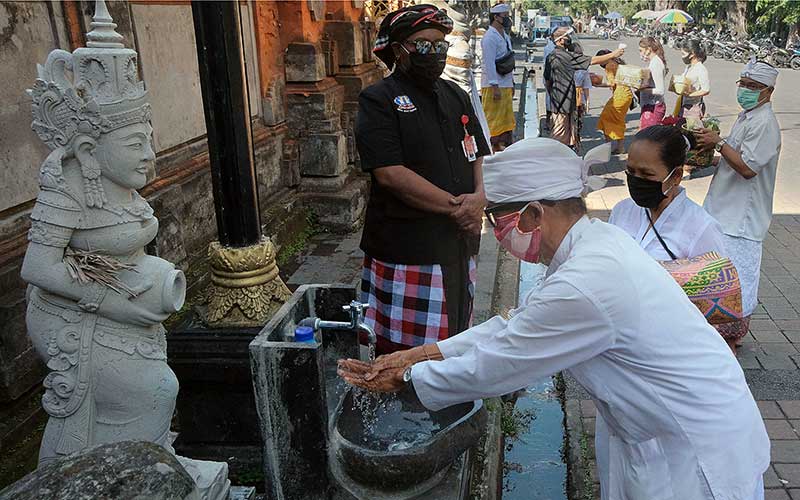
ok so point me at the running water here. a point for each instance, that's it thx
(390, 422)
(371, 353)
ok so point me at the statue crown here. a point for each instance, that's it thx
(104, 93)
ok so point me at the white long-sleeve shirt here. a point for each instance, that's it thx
(668, 390)
(685, 227)
(494, 45)
(654, 95)
(744, 206)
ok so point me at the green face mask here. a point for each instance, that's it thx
(747, 98)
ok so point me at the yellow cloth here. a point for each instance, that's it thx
(612, 118)
(678, 105)
(499, 114)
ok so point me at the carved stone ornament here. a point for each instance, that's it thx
(97, 300)
(245, 287)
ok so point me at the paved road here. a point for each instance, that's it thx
(721, 103)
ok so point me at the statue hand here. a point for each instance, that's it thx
(125, 309)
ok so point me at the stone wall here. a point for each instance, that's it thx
(303, 139)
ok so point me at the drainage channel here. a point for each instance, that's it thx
(534, 467)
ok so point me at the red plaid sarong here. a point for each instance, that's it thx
(407, 303)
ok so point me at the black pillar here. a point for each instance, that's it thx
(220, 56)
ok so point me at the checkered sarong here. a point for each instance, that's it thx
(407, 303)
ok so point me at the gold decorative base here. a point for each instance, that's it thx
(245, 289)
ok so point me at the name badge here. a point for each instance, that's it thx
(468, 144)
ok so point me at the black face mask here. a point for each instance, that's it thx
(645, 193)
(426, 68)
(687, 59)
(507, 22)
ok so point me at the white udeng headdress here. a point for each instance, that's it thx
(104, 94)
(539, 169)
(760, 72)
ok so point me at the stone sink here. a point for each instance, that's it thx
(390, 446)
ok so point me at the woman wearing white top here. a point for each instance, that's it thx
(652, 99)
(692, 104)
(680, 228)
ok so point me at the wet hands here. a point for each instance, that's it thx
(706, 138)
(468, 212)
(365, 375)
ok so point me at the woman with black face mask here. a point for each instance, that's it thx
(658, 205)
(691, 102)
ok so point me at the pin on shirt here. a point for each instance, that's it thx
(468, 144)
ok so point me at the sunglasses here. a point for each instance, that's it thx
(494, 212)
(425, 47)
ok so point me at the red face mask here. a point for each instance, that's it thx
(524, 246)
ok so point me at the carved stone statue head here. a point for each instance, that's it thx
(100, 115)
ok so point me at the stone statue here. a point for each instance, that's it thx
(96, 300)
(460, 55)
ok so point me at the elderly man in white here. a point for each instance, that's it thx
(617, 321)
(741, 192)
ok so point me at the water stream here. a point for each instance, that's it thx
(534, 466)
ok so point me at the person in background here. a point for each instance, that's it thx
(691, 104)
(559, 78)
(612, 118)
(659, 215)
(741, 191)
(497, 91)
(546, 51)
(652, 99)
(419, 138)
(583, 84)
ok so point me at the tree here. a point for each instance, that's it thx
(736, 15)
(781, 16)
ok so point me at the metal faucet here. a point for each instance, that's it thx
(356, 310)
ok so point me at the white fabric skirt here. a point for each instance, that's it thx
(746, 256)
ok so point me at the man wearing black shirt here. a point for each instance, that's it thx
(559, 79)
(418, 136)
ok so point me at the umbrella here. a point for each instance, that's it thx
(646, 14)
(675, 16)
(614, 15)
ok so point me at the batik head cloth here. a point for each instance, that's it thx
(761, 72)
(400, 24)
(538, 169)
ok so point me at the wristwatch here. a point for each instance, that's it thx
(407, 376)
(718, 145)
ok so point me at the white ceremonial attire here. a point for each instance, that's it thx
(685, 227)
(654, 95)
(742, 206)
(495, 45)
(676, 419)
(697, 74)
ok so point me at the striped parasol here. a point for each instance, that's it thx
(675, 16)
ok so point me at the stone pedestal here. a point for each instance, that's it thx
(305, 62)
(349, 41)
(314, 119)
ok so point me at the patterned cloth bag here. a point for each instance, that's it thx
(712, 284)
